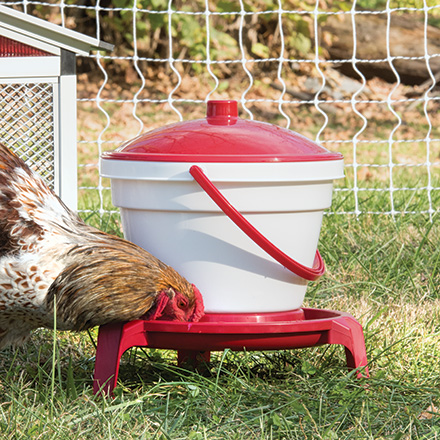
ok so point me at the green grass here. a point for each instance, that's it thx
(384, 272)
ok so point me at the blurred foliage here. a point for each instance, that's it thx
(382, 4)
(260, 34)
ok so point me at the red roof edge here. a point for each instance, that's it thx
(12, 48)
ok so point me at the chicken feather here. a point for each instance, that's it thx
(50, 259)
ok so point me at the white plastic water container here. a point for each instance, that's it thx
(233, 205)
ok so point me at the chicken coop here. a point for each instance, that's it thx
(38, 96)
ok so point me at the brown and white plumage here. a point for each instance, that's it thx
(47, 252)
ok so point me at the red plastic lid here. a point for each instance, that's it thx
(221, 137)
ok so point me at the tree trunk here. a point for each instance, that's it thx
(406, 39)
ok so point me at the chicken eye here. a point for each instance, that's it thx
(182, 303)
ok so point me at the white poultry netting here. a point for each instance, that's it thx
(362, 82)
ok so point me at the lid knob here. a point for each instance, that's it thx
(222, 108)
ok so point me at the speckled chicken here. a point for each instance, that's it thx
(50, 259)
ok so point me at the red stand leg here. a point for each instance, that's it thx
(108, 355)
(192, 358)
(348, 332)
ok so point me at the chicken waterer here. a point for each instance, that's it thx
(233, 205)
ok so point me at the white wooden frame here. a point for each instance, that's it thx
(57, 68)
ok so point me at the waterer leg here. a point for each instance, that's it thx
(348, 332)
(192, 358)
(108, 355)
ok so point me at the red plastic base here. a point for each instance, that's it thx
(215, 332)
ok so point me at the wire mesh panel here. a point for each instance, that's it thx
(27, 125)
(359, 77)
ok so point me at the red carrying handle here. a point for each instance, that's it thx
(308, 273)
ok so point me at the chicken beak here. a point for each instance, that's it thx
(199, 308)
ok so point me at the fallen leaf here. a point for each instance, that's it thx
(429, 413)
